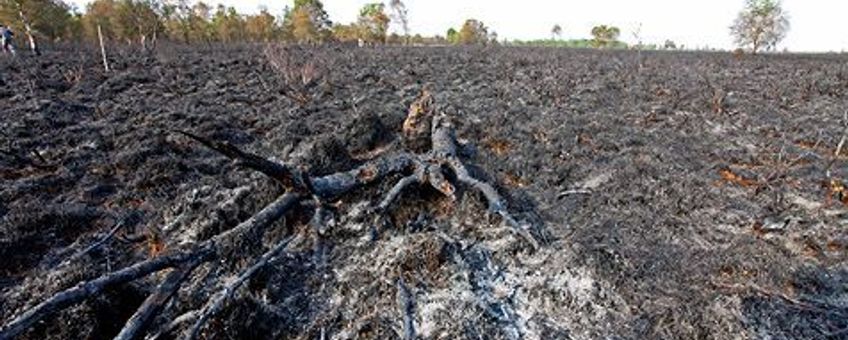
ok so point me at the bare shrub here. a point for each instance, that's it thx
(299, 70)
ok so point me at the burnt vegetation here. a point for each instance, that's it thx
(399, 192)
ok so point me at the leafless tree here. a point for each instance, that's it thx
(400, 14)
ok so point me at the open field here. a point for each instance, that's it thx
(672, 195)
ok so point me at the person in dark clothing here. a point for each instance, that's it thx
(6, 38)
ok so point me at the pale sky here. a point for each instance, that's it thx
(817, 25)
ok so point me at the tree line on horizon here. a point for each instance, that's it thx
(146, 21)
(761, 24)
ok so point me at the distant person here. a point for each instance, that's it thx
(6, 39)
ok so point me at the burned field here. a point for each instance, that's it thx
(423, 193)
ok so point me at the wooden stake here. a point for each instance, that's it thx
(102, 49)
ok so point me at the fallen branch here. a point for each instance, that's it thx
(324, 187)
(84, 290)
(174, 324)
(483, 276)
(398, 188)
(335, 185)
(407, 305)
(215, 305)
(288, 177)
(496, 203)
(156, 301)
(205, 251)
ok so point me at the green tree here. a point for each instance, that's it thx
(473, 32)
(227, 24)
(345, 33)
(452, 36)
(74, 28)
(761, 24)
(99, 13)
(307, 21)
(318, 15)
(199, 26)
(262, 26)
(605, 36)
(136, 20)
(302, 27)
(373, 23)
(174, 20)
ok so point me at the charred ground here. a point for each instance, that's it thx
(674, 195)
